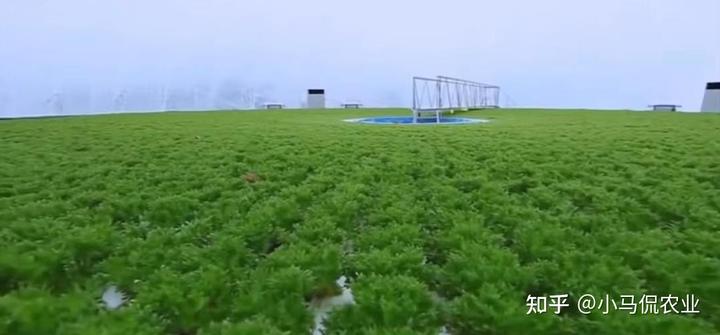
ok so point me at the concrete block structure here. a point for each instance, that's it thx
(316, 98)
(711, 102)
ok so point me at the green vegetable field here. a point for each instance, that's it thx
(240, 222)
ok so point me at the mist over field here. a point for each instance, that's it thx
(82, 56)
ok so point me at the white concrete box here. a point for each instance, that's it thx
(711, 102)
(316, 98)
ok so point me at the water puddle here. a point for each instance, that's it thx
(409, 120)
(113, 298)
(321, 308)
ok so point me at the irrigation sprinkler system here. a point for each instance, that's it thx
(435, 96)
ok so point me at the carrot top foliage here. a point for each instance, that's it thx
(236, 222)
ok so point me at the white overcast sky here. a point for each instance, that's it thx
(553, 53)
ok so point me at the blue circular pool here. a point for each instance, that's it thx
(409, 120)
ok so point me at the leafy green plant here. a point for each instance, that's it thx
(235, 223)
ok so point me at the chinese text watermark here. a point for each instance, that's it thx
(588, 303)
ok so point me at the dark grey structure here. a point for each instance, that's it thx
(665, 108)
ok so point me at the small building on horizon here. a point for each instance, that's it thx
(316, 99)
(711, 101)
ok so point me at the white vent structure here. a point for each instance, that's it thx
(711, 102)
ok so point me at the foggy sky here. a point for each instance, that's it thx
(155, 54)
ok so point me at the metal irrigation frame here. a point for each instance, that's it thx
(443, 94)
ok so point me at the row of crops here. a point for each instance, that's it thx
(239, 223)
